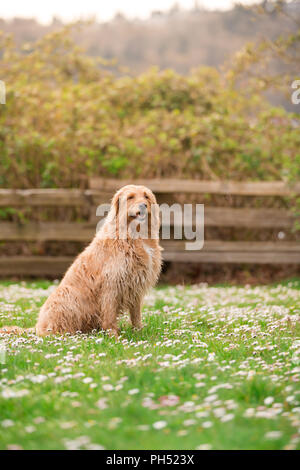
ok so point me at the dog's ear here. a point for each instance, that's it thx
(155, 220)
(115, 203)
(114, 208)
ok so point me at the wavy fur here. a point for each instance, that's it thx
(109, 277)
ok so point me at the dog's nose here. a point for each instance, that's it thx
(142, 207)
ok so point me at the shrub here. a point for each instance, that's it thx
(66, 118)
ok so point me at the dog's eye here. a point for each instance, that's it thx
(130, 197)
(146, 196)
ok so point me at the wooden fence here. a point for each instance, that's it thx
(101, 191)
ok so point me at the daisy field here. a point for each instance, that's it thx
(213, 368)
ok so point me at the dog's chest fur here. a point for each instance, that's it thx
(130, 270)
(132, 263)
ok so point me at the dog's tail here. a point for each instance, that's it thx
(15, 330)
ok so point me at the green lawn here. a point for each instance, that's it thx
(214, 367)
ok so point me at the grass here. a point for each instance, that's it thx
(213, 368)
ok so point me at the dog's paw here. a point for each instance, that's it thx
(138, 327)
(113, 333)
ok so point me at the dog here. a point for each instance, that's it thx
(112, 275)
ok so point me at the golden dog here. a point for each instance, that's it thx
(112, 275)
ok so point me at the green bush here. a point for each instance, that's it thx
(66, 118)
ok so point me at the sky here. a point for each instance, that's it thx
(103, 10)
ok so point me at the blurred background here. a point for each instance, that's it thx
(154, 90)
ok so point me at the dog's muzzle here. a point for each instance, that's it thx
(140, 213)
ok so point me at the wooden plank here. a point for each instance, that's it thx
(102, 193)
(243, 217)
(247, 217)
(53, 197)
(34, 265)
(84, 231)
(234, 217)
(255, 257)
(44, 197)
(56, 266)
(178, 246)
(102, 190)
(245, 188)
(46, 231)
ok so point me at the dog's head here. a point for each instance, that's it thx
(136, 206)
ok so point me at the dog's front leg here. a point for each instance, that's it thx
(110, 319)
(136, 315)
